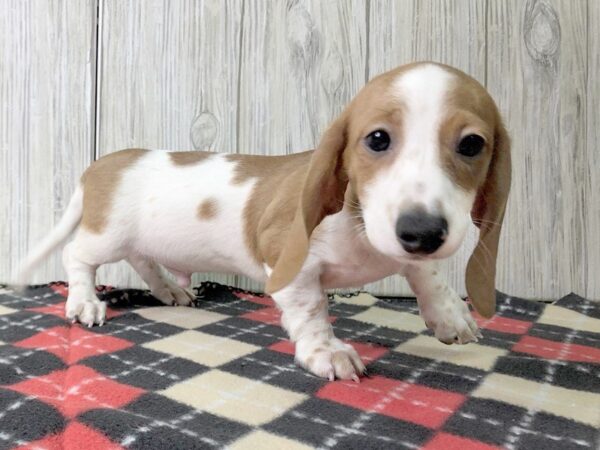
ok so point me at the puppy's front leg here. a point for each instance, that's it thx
(305, 317)
(442, 309)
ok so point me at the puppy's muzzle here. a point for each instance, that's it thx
(420, 232)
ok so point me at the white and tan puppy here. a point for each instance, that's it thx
(391, 188)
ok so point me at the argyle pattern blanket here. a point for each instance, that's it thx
(222, 375)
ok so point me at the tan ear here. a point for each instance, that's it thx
(322, 194)
(487, 214)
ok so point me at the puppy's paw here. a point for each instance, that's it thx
(87, 311)
(332, 359)
(171, 294)
(452, 322)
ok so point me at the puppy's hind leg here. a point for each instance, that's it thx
(160, 286)
(82, 302)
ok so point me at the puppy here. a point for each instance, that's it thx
(391, 188)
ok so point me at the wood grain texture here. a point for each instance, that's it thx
(168, 80)
(47, 71)
(302, 61)
(591, 160)
(447, 32)
(537, 70)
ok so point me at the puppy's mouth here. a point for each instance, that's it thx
(445, 250)
(418, 258)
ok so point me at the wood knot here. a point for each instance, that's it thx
(541, 31)
(332, 72)
(302, 37)
(204, 130)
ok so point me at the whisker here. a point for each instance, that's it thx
(481, 266)
(485, 248)
(488, 221)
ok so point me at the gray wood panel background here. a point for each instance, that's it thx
(252, 76)
(47, 101)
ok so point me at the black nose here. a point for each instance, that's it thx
(420, 232)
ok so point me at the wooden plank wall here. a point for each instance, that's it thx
(47, 100)
(252, 76)
(592, 157)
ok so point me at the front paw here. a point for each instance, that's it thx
(330, 359)
(453, 323)
(88, 311)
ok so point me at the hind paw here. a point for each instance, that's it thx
(171, 294)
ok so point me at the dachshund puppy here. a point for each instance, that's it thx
(391, 188)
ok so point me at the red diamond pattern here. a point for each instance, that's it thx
(73, 343)
(399, 399)
(503, 324)
(58, 309)
(75, 437)
(286, 346)
(445, 441)
(563, 351)
(271, 316)
(266, 301)
(367, 352)
(78, 389)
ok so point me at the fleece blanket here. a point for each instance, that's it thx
(222, 375)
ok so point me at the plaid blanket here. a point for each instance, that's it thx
(223, 375)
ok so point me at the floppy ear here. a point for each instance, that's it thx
(322, 194)
(487, 214)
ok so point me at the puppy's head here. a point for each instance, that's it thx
(419, 152)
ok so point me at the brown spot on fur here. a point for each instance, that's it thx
(207, 209)
(188, 158)
(272, 204)
(100, 181)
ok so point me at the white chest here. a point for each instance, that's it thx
(346, 257)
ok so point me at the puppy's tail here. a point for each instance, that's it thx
(58, 235)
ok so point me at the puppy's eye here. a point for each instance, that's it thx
(471, 145)
(378, 141)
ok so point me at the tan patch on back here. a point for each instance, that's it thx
(207, 209)
(188, 158)
(272, 204)
(100, 181)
